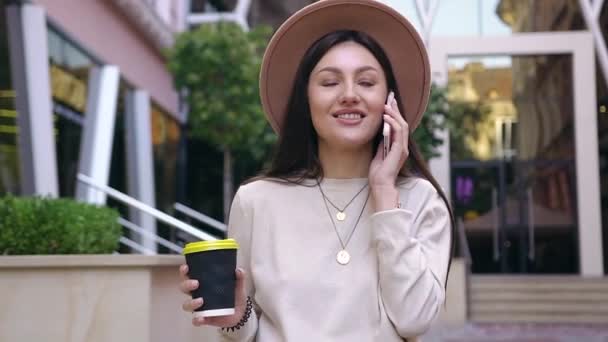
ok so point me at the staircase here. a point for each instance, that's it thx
(542, 299)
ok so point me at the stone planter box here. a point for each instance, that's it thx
(101, 298)
(93, 298)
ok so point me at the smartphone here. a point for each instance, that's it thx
(386, 130)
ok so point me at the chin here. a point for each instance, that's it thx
(354, 141)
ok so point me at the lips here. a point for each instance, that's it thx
(349, 114)
(349, 117)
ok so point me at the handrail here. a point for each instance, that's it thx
(135, 246)
(495, 231)
(159, 215)
(200, 216)
(462, 236)
(130, 225)
(531, 237)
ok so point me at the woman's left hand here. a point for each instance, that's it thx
(383, 173)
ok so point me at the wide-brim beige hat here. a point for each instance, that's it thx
(395, 34)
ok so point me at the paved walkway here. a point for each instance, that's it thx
(520, 333)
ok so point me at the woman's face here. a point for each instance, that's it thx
(346, 93)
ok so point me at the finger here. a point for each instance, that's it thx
(183, 272)
(198, 321)
(240, 282)
(192, 304)
(406, 135)
(396, 130)
(188, 286)
(394, 113)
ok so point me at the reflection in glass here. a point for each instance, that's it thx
(9, 156)
(469, 18)
(541, 15)
(70, 67)
(602, 122)
(166, 134)
(69, 73)
(67, 139)
(513, 172)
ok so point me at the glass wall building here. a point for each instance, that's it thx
(527, 169)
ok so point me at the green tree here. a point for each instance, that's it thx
(218, 64)
(432, 122)
(460, 118)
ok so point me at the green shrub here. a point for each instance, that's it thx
(33, 225)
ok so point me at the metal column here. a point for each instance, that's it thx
(30, 74)
(98, 132)
(140, 162)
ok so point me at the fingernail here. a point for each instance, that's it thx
(198, 301)
(193, 282)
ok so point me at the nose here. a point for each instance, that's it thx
(349, 96)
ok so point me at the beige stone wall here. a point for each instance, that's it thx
(93, 299)
(118, 298)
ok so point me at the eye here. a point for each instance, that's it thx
(367, 84)
(329, 84)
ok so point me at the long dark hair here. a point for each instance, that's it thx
(296, 156)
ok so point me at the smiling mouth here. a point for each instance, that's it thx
(350, 116)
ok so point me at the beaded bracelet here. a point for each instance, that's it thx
(241, 323)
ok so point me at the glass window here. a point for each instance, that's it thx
(9, 156)
(502, 17)
(513, 162)
(166, 135)
(69, 74)
(602, 123)
(469, 18)
(541, 15)
(118, 163)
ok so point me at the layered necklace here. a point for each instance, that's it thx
(343, 257)
(341, 214)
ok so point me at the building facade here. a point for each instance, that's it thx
(84, 89)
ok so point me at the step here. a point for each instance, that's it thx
(540, 296)
(535, 279)
(537, 318)
(535, 307)
(538, 286)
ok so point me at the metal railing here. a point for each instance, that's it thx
(200, 217)
(157, 214)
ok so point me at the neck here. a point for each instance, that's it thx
(345, 163)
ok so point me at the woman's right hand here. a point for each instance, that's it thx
(240, 298)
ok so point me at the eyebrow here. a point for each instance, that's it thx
(338, 71)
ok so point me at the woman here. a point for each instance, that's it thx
(338, 243)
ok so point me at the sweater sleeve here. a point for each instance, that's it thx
(240, 225)
(413, 255)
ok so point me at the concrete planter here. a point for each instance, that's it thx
(100, 298)
(455, 311)
(93, 298)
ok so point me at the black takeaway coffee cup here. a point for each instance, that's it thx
(213, 264)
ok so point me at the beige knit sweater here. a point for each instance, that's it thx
(393, 287)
